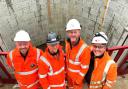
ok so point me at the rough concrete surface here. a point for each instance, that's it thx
(122, 82)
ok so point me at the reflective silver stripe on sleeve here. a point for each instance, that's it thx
(76, 71)
(51, 70)
(82, 74)
(97, 82)
(48, 87)
(80, 51)
(74, 63)
(42, 76)
(73, 70)
(111, 81)
(48, 64)
(59, 71)
(109, 85)
(107, 68)
(60, 85)
(38, 54)
(95, 86)
(84, 66)
(11, 58)
(28, 72)
(31, 85)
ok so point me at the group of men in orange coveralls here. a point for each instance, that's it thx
(58, 69)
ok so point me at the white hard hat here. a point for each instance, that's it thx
(100, 37)
(22, 36)
(72, 25)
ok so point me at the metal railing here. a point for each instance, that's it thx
(123, 65)
(121, 70)
(9, 78)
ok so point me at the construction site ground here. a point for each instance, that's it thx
(121, 83)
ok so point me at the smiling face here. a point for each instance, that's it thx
(98, 49)
(74, 35)
(23, 46)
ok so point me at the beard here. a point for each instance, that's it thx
(24, 51)
(54, 52)
(74, 40)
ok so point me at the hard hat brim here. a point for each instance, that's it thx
(99, 40)
(73, 29)
(21, 40)
(52, 43)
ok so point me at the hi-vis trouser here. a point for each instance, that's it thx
(71, 84)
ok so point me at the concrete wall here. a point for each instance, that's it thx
(38, 17)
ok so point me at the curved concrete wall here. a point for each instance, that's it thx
(38, 17)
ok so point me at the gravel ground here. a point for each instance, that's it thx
(6, 86)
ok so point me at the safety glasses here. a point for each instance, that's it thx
(99, 46)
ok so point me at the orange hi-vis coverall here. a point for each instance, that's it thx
(25, 70)
(104, 74)
(77, 61)
(52, 71)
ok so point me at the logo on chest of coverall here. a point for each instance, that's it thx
(32, 65)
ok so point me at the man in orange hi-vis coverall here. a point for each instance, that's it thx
(102, 71)
(51, 64)
(77, 58)
(24, 59)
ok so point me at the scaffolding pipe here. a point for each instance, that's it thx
(106, 5)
